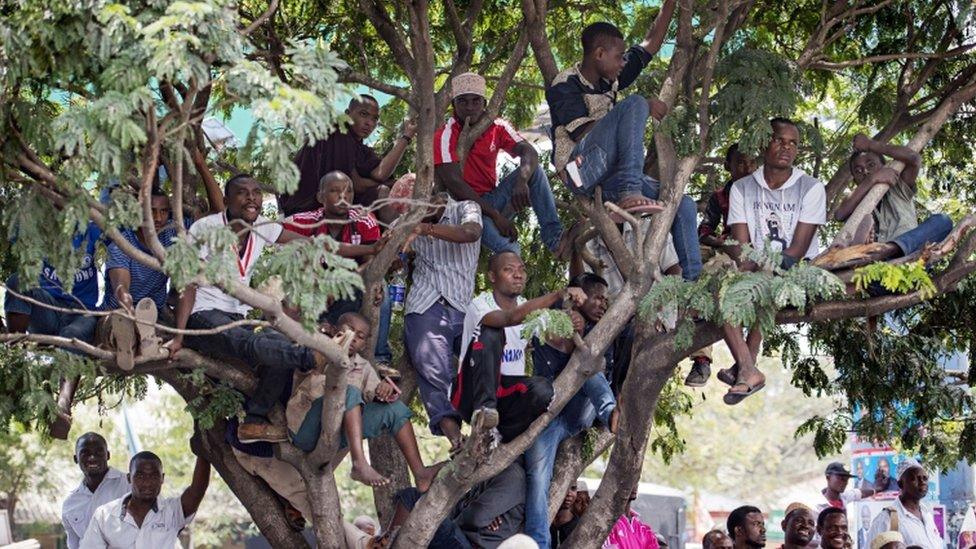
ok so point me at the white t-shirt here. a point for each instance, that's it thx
(81, 503)
(772, 214)
(513, 357)
(113, 527)
(264, 233)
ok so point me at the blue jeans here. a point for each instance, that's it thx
(540, 458)
(543, 204)
(382, 352)
(613, 157)
(430, 338)
(934, 229)
(45, 321)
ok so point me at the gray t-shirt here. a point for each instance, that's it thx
(895, 214)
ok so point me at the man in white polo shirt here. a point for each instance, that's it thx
(142, 519)
(100, 485)
(271, 353)
(908, 514)
(781, 207)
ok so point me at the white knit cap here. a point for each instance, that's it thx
(468, 82)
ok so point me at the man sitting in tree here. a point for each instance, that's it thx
(492, 387)
(780, 207)
(594, 400)
(205, 307)
(477, 180)
(345, 151)
(598, 141)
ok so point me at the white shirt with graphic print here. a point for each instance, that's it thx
(773, 214)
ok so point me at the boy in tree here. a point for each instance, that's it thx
(345, 151)
(895, 219)
(372, 409)
(600, 141)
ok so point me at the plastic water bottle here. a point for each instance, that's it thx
(398, 285)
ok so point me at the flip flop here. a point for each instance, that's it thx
(732, 397)
(124, 341)
(729, 376)
(146, 316)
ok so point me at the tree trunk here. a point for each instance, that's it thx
(651, 367)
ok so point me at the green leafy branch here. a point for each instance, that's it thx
(546, 324)
(898, 279)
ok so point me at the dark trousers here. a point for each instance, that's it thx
(268, 351)
(518, 399)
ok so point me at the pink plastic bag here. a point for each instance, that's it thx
(631, 533)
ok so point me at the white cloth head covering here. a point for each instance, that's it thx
(366, 520)
(519, 541)
(581, 486)
(905, 464)
(468, 82)
(884, 538)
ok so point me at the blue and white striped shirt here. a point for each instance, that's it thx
(445, 269)
(146, 282)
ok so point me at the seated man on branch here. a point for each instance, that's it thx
(778, 206)
(598, 141)
(897, 231)
(345, 151)
(492, 388)
(477, 180)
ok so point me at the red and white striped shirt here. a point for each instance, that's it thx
(479, 171)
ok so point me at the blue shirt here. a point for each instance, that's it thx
(145, 281)
(85, 288)
(549, 362)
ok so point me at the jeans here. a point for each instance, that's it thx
(934, 229)
(543, 204)
(613, 157)
(45, 321)
(431, 338)
(540, 459)
(382, 352)
(271, 353)
(684, 231)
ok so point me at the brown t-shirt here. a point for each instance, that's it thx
(340, 151)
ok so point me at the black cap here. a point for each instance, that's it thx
(837, 468)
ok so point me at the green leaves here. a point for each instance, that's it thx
(311, 275)
(898, 279)
(546, 324)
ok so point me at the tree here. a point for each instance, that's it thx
(99, 94)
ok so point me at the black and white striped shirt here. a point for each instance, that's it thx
(445, 269)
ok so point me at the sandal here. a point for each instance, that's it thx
(637, 205)
(124, 341)
(146, 317)
(734, 397)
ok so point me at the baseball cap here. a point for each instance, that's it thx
(837, 468)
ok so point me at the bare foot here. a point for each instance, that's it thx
(364, 472)
(614, 420)
(427, 476)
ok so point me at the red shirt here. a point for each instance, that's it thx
(479, 172)
(361, 229)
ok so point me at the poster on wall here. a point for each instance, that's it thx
(878, 466)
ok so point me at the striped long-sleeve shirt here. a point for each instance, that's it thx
(445, 269)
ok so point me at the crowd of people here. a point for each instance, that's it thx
(468, 351)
